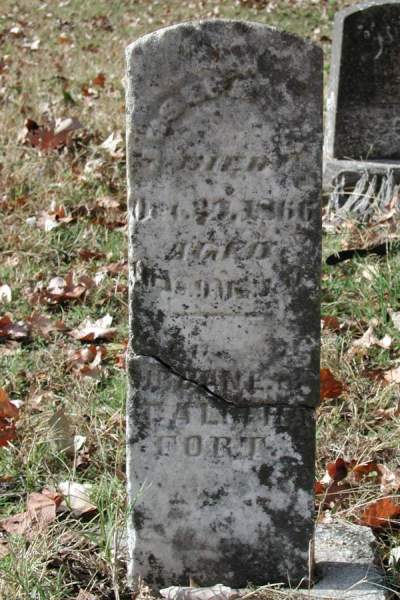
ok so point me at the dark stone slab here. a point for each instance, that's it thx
(224, 153)
(363, 123)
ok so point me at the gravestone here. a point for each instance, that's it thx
(224, 154)
(363, 120)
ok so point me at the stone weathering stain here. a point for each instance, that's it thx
(224, 137)
(363, 124)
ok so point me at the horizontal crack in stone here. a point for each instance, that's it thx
(213, 394)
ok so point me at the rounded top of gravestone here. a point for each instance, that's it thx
(236, 28)
(341, 15)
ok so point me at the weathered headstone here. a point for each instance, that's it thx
(363, 120)
(224, 155)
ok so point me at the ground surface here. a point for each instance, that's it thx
(62, 207)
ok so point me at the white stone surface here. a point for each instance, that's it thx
(224, 155)
(224, 158)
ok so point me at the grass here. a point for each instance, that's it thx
(79, 40)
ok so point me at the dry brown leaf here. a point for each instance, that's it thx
(39, 401)
(99, 80)
(90, 331)
(41, 511)
(54, 218)
(337, 470)
(42, 325)
(9, 413)
(380, 514)
(120, 359)
(49, 138)
(392, 375)
(60, 290)
(116, 267)
(331, 323)
(329, 386)
(63, 38)
(4, 548)
(7, 409)
(84, 595)
(9, 330)
(87, 361)
(368, 339)
(107, 202)
(388, 413)
(389, 480)
(87, 254)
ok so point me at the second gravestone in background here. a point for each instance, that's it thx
(363, 124)
(224, 140)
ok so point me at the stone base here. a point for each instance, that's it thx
(345, 566)
(354, 169)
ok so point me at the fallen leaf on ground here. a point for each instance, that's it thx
(41, 511)
(43, 326)
(333, 494)
(38, 401)
(113, 145)
(62, 432)
(389, 480)
(360, 470)
(4, 548)
(60, 289)
(84, 595)
(368, 339)
(331, 323)
(330, 387)
(388, 413)
(337, 470)
(7, 409)
(380, 514)
(87, 361)
(392, 376)
(87, 254)
(9, 330)
(107, 202)
(120, 359)
(99, 80)
(395, 316)
(9, 413)
(52, 137)
(54, 218)
(63, 38)
(76, 498)
(116, 267)
(5, 294)
(90, 331)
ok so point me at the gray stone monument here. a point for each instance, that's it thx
(363, 117)
(224, 154)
